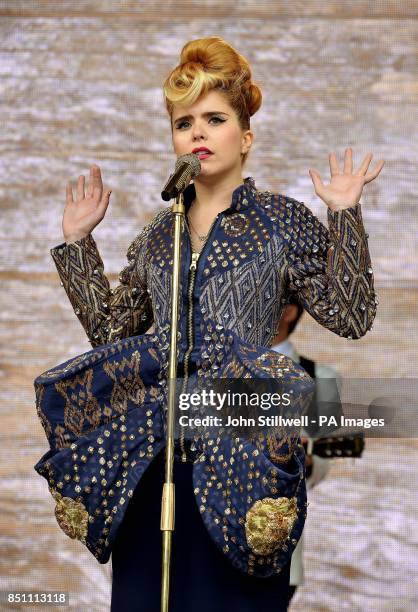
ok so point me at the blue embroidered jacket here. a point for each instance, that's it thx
(104, 411)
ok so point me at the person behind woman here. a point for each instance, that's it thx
(244, 251)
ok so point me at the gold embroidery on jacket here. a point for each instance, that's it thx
(235, 225)
(278, 363)
(269, 523)
(80, 403)
(275, 443)
(71, 516)
(128, 384)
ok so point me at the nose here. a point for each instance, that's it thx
(198, 131)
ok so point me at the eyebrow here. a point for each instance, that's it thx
(208, 114)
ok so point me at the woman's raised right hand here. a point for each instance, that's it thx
(81, 216)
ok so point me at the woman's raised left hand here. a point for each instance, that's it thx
(345, 188)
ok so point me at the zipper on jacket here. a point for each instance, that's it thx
(192, 279)
(190, 291)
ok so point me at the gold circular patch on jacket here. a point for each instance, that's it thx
(235, 225)
(72, 517)
(269, 522)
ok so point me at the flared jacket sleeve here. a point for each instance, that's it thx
(106, 314)
(329, 271)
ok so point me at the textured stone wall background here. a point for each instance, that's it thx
(80, 83)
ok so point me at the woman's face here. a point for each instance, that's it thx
(212, 123)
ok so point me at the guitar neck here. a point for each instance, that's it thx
(339, 446)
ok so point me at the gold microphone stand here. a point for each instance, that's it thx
(167, 502)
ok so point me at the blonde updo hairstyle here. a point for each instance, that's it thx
(211, 63)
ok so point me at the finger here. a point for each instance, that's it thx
(372, 175)
(80, 187)
(104, 202)
(333, 165)
(89, 192)
(96, 195)
(69, 193)
(317, 181)
(348, 161)
(97, 177)
(364, 166)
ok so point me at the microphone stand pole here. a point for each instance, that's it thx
(167, 502)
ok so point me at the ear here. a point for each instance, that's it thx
(247, 140)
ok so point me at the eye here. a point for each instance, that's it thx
(218, 120)
(179, 125)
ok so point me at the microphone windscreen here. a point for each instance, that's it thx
(193, 160)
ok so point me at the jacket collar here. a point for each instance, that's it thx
(242, 197)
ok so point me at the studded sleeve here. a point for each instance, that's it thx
(329, 270)
(106, 314)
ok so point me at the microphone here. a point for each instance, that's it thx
(187, 167)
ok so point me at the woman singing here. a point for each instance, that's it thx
(240, 503)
